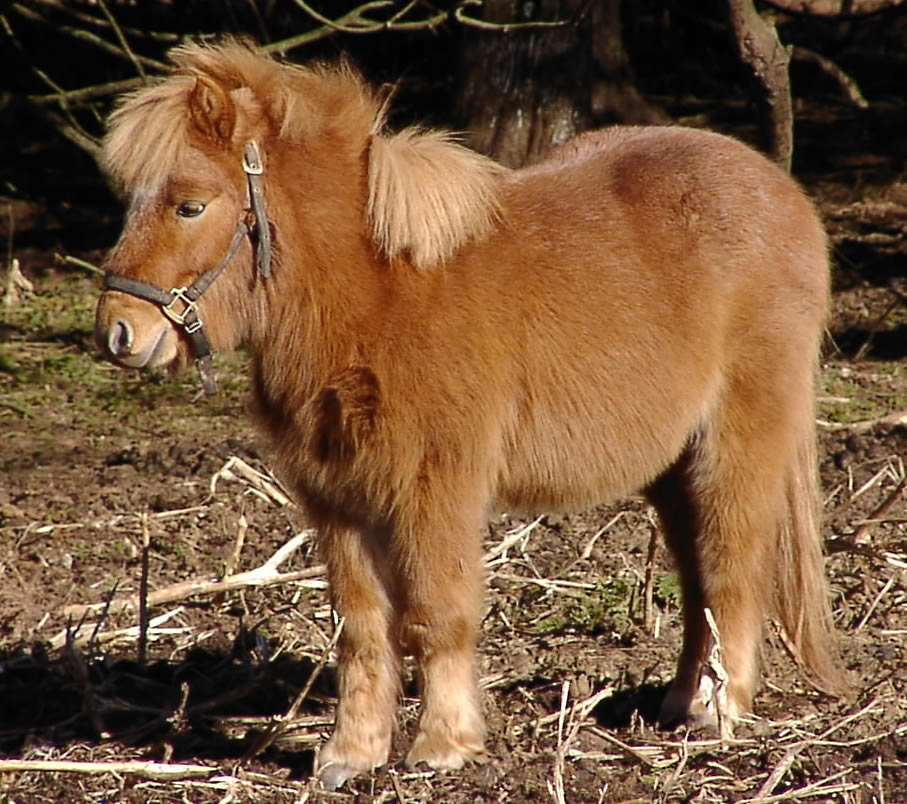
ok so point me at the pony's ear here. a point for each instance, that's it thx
(212, 110)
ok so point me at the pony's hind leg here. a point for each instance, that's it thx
(441, 584)
(368, 656)
(722, 506)
(672, 499)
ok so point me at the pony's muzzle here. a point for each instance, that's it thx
(135, 335)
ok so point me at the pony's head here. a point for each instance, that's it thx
(230, 125)
(192, 154)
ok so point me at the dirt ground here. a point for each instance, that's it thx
(581, 631)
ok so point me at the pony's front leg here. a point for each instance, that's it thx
(368, 658)
(441, 582)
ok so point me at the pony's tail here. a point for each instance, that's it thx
(803, 603)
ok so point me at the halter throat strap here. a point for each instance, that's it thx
(180, 305)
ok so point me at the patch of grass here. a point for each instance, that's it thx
(667, 590)
(63, 311)
(50, 359)
(611, 607)
(605, 610)
(851, 394)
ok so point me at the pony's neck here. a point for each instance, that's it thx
(325, 283)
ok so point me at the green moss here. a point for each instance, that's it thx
(667, 590)
(604, 610)
(848, 395)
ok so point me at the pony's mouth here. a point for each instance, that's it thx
(158, 351)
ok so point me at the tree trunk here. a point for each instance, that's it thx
(768, 61)
(523, 91)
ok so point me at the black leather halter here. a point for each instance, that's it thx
(180, 305)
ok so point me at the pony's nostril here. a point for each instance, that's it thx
(120, 338)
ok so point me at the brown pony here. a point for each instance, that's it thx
(434, 337)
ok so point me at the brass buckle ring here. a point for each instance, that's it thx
(179, 316)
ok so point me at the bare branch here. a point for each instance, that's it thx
(357, 21)
(507, 27)
(292, 42)
(77, 135)
(77, 97)
(835, 8)
(91, 38)
(97, 22)
(848, 85)
(122, 40)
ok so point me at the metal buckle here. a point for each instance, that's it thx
(251, 160)
(179, 316)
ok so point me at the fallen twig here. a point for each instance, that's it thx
(898, 417)
(587, 550)
(778, 772)
(883, 508)
(563, 745)
(232, 561)
(149, 770)
(510, 539)
(398, 790)
(237, 466)
(644, 754)
(143, 591)
(265, 575)
(822, 786)
(875, 602)
(583, 708)
(719, 676)
(552, 586)
(132, 632)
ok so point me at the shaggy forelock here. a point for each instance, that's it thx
(427, 194)
(150, 130)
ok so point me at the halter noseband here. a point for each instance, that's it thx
(180, 305)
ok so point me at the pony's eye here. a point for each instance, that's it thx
(190, 209)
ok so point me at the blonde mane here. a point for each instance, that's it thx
(427, 195)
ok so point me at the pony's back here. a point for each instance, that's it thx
(632, 275)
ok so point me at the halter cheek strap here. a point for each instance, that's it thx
(254, 169)
(180, 305)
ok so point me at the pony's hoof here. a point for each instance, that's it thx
(443, 753)
(336, 774)
(695, 716)
(705, 712)
(675, 708)
(341, 760)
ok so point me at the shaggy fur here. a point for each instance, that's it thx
(442, 337)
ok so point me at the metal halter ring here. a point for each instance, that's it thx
(179, 317)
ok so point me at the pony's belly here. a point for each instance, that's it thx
(555, 474)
